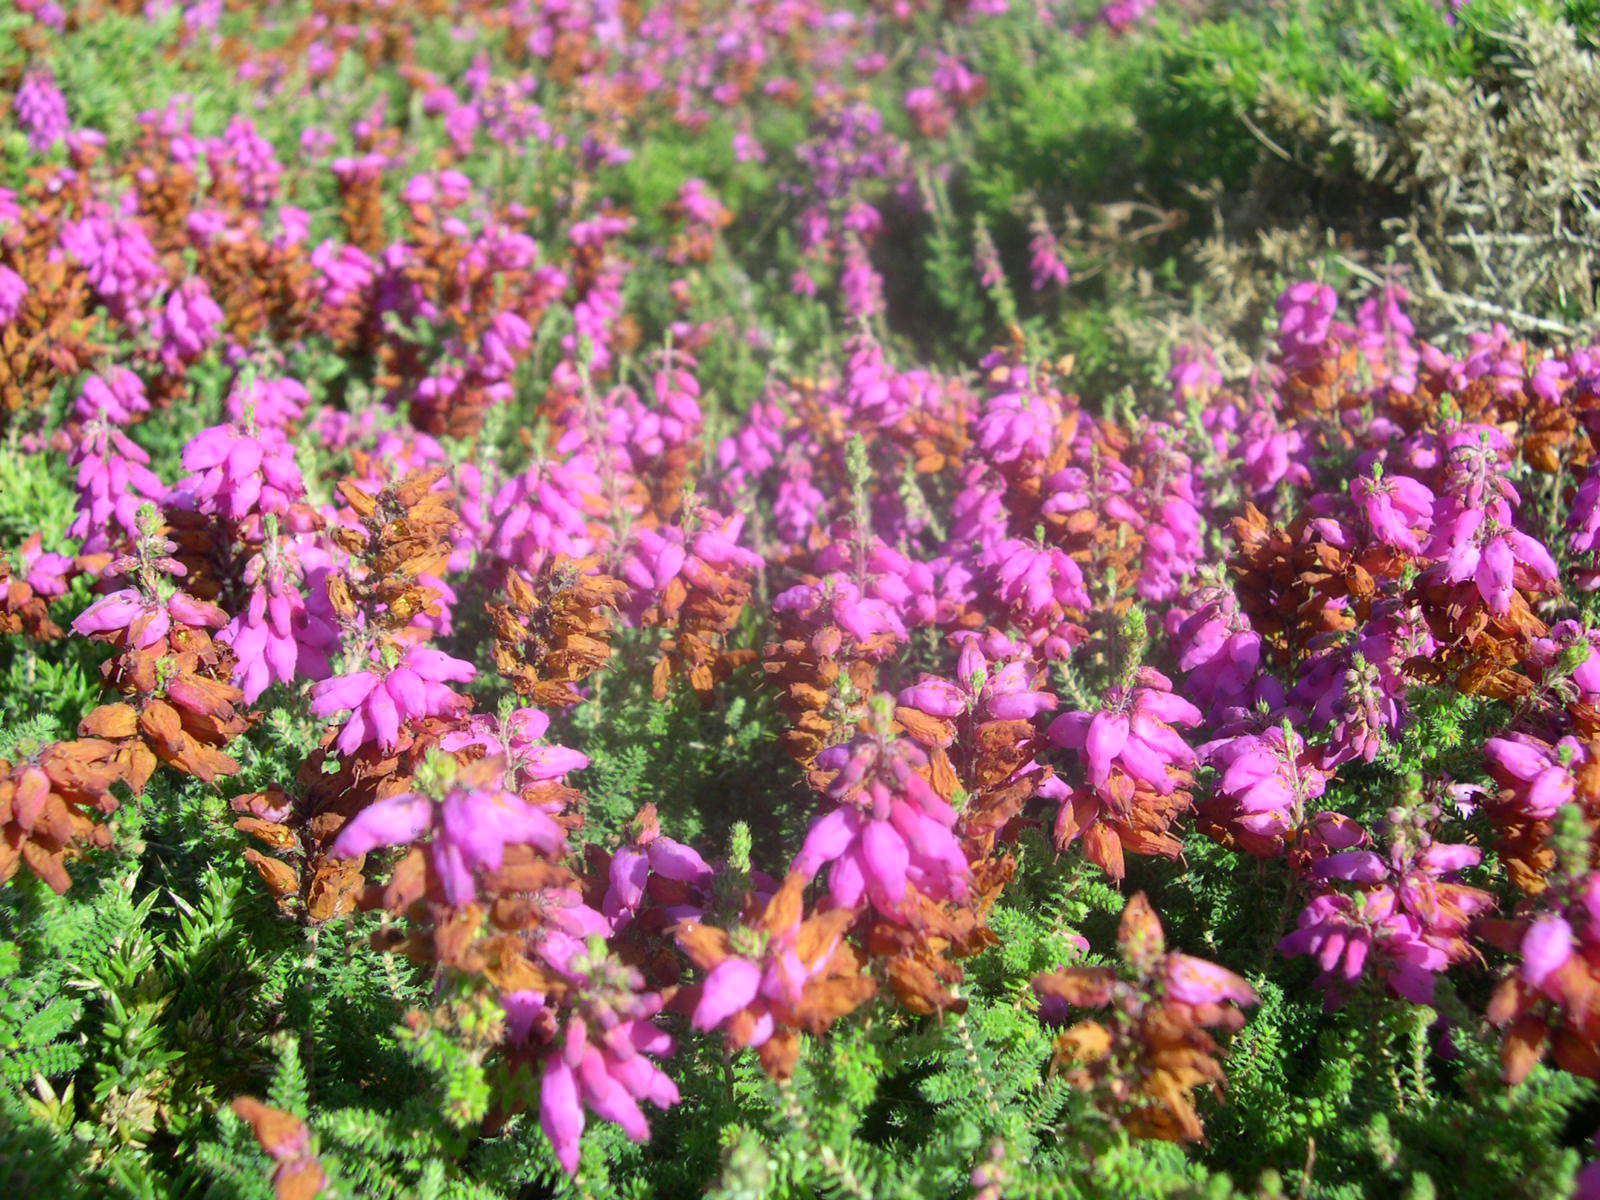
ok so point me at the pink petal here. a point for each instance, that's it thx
(885, 856)
(730, 987)
(391, 822)
(560, 1111)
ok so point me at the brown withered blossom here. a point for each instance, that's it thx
(1148, 1052)
(48, 803)
(817, 976)
(554, 631)
(297, 1173)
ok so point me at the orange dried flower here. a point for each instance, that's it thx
(554, 632)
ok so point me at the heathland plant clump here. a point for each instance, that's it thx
(571, 624)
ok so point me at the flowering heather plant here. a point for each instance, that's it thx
(605, 599)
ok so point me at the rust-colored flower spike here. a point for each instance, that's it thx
(180, 707)
(1545, 428)
(554, 631)
(1295, 585)
(921, 951)
(469, 291)
(166, 190)
(1556, 1018)
(825, 676)
(1323, 388)
(1478, 652)
(806, 976)
(811, 698)
(361, 209)
(398, 534)
(262, 285)
(22, 609)
(45, 805)
(489, 938)
(1145, 1056)
(1525, 843)
(295, 827)
(48, 339)
(204, 544)
(297, 1173)
(701, 607)
(179, 704)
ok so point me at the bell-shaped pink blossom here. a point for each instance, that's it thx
(380, 700)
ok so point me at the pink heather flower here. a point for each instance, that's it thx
(1122, 15)
(1398, 509)
(1358, 689)
(892, 831)
(120, 261)
(986, 259)
(1343, 932)
(667, 872)
(878, 852)
(1168, 515)
(1194, 371)
(294, 226)
(502, 347)
(41, 110)
(13, 291)
(345, 274)
(278, 637)
(1572, 653)
(1546, 946)
(267, 401)
(243, 155)
(985, 689)
(1017, 424)
(959, 82)
(1046, 267)
(870, 391)
(656, 558)
(762, 984)
(600, 1058)
(1219, 650)
(47, 574)
(1537, 777)
(700, 204)
(1195, 981)
(118, 396)
(835, 601)
(731, 987)
(470, 822)
(1587, 1185)
(1496, 558)
(1386, 337)
(1272, 454)
(517, 737)
(114, 480)
(908, 588)
(928, 110)
(1042, 587)
(188, 324)
(1264, 783)
(860, 285)
(1306, 324)
(381, 701)
(1403, 916)
(1583, 528)
(146, 619)
(1135, 735)
(238, 474)
(1565, 927)
(546, 511)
